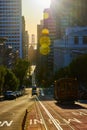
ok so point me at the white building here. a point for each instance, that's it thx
(11, 23)
(73, 44)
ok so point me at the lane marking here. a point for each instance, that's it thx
(79, 113)
(42, 118)
(5, 123)
(50, 116)
(72, 120)
(36, 121)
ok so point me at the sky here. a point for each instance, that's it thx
(32, 10)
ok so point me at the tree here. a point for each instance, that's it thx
(78, 68)
(11, 81)
(2, 79)
(62, 72)
(20, 69)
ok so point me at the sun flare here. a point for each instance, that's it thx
(44, 3)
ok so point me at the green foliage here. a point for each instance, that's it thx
(27, 82)
(61, 73)
(11, 82)
(2, 75)
(13, 79)
(20, 69)
(78, 68)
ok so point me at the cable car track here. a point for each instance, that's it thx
(56, 117)
(47, 115)
(73, 118)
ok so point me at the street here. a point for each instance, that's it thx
(12, 112)
(43, 113)
(47, 114)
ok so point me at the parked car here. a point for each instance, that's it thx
(9, 95)
(18, 93)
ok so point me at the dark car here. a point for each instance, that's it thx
(34, 91)
(18, 93)
(9, 95)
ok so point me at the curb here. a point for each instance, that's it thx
(24, 120)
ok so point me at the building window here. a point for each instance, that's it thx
(84, 39)
(76, 40)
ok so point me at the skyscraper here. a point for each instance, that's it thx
(69, 13)
(11, 23)
(45, 62)
(49, 23)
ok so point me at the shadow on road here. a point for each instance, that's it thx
(69, 106)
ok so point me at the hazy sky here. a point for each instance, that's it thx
(33, 12)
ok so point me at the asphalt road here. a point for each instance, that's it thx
(12, 112)
(47, 114)
(43, 113)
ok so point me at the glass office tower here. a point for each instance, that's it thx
(11, 23)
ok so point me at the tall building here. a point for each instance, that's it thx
(25, 41)
(68, 13)
(33, 39)
(23, 38)
(40, 64)
(45, 62)
(50, 24)
(11, 23)
(71, 46)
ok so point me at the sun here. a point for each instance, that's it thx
(44, 3)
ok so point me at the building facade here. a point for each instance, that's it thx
(68, 13)
(73, 45)
(25, 41)
(11, 23)
(50, 24)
